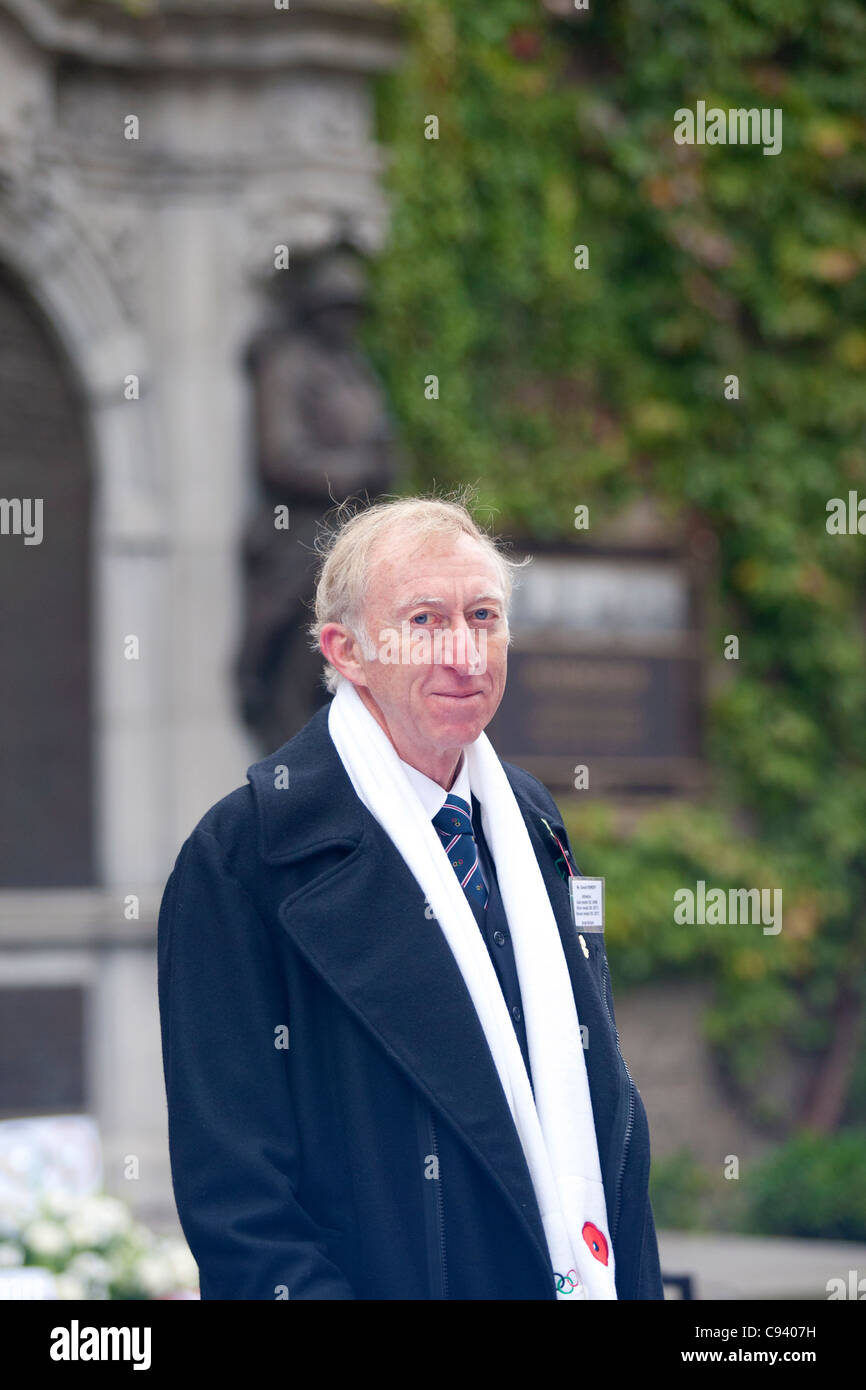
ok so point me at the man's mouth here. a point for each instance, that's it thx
(457, 695)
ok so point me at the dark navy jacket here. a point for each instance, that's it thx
(374, 1156)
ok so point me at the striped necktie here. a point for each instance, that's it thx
(454, 826)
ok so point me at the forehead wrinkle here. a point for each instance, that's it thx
(414, 602)
(490, 595)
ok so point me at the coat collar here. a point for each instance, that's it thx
(307, 771)
(362, 926)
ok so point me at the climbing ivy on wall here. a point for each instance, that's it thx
(560, 385)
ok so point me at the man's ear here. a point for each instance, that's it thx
(340, 648)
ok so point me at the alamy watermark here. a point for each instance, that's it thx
(422, 646)
(77, 1343)
(738, 126)
(738, 905)
(22, 516)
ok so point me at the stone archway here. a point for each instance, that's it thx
(66, 297)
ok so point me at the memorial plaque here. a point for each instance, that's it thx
(604, 673)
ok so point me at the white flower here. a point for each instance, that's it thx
(90, 1266)
(120, 1259)
(183, 1266)
(45, 1238)
(69, 1287)
(143, 1237)
(60, 1205)
(97, 1221)
(95, 1280)
(11, 1255)
(155, 1274)
(14, 1212)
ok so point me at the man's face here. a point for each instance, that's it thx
(432, 707)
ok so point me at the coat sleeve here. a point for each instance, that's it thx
(233, 1138)
(649, 1276)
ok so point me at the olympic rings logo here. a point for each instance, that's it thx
(567, 1283)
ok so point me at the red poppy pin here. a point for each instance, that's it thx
(596, 1241)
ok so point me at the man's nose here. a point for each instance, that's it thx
(467, 648)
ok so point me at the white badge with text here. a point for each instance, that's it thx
(587, 902)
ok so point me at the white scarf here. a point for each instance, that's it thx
(556, 1129)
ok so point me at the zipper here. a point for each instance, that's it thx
(631, 1108)
(440, 1206)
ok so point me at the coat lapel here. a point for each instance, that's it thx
(363, 925)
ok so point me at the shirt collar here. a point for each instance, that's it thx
(433, 796)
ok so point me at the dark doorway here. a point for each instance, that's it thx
(46, 815)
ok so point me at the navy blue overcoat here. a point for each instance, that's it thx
(337, 1128)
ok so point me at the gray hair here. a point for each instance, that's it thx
(344, 574)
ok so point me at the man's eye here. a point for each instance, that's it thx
(483, 613)
(420, 617)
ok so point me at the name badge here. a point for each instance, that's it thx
(587, 902)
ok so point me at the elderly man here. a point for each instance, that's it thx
(390, 1054)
